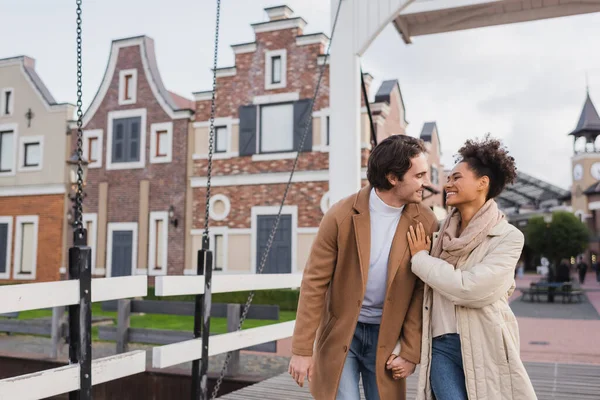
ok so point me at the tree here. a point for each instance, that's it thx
(566, 236)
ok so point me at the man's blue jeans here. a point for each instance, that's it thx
(360, 362)
(447, 376)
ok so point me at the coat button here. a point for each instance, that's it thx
(427, 308)
(345, 349)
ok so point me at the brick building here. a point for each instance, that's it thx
(136, 140)
(261, 104)
(33, 151)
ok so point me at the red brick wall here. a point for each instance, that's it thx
(167, 181)
(308, 161)
(50, 211)
(249, 81)
(306, 195)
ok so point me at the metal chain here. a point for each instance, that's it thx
(212, 125)
(79, 194)
(265, 254)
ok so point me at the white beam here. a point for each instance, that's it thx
(52, 382)
(122, 287)
(184, 285)
(178, 353)
(344, 97)
(33, 296)
(459, 18)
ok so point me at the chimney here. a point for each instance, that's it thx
(279, 12)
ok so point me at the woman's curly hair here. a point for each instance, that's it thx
(488, 157)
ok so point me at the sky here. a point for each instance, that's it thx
(523, 83)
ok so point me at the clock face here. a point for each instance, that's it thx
(577, 172)
(595, 171)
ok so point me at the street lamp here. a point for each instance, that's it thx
(72, 163)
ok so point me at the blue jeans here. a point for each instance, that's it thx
(447, 376)
(360, 362)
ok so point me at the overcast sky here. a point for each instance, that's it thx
(524, 83)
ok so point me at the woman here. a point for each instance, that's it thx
(470, 347)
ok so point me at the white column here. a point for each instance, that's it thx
(344, 98)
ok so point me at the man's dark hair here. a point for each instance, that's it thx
(392, 156)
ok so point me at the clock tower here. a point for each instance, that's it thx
(586, 160)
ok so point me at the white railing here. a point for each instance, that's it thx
(189, 350)
(33, 296)
(66, 379)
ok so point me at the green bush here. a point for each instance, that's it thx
(286, 299)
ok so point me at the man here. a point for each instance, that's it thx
(582, 269)
(358, 295)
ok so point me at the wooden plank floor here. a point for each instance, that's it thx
(550, 380)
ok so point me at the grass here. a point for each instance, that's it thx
(166, 322)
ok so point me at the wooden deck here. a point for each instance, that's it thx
(551, 381)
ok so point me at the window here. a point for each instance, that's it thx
(126, 140)
(127, 86)
(161, 145)
(435, 179)
(276, 128)
(221, 139)
(275, 69)
(7, 102)
(7, 152)
(157, 250)
(219, 253)
(26, 247)
(90, 223)
(92, 147)
(128, 81)
(5, 246)
(92, 153)
(31, 153)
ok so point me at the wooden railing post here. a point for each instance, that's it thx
(233, 322)
(123, 322)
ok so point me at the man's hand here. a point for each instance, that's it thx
(301, 367)
(400, 367)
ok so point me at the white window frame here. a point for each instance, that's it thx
(437, 170)
(92, 240)
(121, 226)
(268, 56)
(132, 88)
(272, 155)
(11, 105)
(227, 139)
(322, 114)
(154, 129)
(9, 221)
(14, 129)
(213, 200)
(273, 210)
(112, 115)
(164, 217)
(226, 121)
(20, 220)
(224, 231)
(23, 140)
(87, 135)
